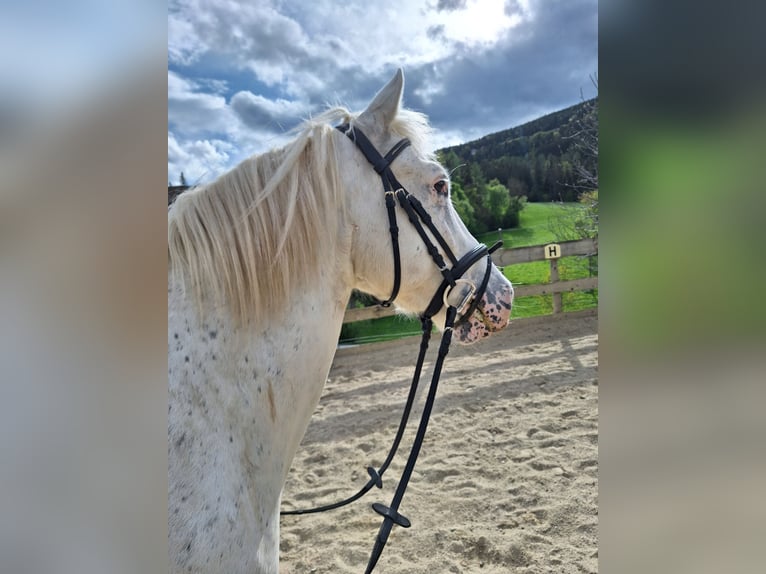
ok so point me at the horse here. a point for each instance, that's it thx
(261, 265)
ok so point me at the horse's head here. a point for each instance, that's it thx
(416, 171)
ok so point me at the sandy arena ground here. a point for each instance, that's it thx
(507, 477)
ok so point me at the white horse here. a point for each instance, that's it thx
(262, 263)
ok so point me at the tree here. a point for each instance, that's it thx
(585, 140)
(497, 203)
(516, 187)
(580, 222)
(583, 223)
(183, 179)
(463, 206)
(517, 203)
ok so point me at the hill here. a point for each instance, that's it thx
(539, 159)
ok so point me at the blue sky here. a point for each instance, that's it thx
(240, 74)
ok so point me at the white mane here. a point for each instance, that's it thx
(245, 239)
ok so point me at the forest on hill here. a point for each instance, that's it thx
(552, 158)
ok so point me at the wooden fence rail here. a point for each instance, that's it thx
(506, 257)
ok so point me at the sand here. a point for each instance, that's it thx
(507, 476)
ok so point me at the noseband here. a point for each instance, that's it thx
(451, 278)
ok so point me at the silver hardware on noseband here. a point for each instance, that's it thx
(466, 299)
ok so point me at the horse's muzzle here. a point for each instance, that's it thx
(492, 314)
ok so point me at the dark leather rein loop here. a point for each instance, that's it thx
(452, 276)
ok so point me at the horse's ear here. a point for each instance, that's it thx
(384, 107)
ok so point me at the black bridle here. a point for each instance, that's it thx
(419, 217)
(451, 277)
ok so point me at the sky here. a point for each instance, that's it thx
(241, 74)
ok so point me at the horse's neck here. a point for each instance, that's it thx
(239, 406)
(240, 403)
(280, 365)
(292, 355)
(269, 376)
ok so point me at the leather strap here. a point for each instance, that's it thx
(381, 164)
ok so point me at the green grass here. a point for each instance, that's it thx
(374, 330)
(539, 272)
(534, 229)
(534, 226)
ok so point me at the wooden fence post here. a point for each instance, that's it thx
(552, 252)
(555, 279)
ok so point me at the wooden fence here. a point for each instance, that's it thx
(505, 257)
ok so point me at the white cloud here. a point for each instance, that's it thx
(296, 46)
(184, 44)
(259, 112)
(199, 160)
(194, 111)
(207, 134)
(474, 66)
(484, 24)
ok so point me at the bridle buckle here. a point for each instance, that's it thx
(466, 298)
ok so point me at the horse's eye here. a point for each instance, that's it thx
(441, 187)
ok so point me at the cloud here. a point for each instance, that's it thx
(300, 47)
(184, 45)
(513, 7)
(533, 69)
(450, 5)
(199, 160)
(191, 110)
(208, 134)
(436, 32)
(245, 72)
(259, 112)
(253, 36)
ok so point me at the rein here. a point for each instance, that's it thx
(452, 276)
